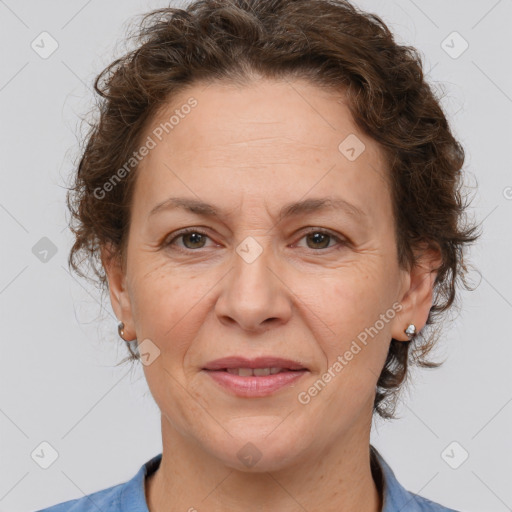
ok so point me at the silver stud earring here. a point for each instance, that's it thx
(410, 331)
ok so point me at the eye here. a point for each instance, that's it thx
(193, 238)
(320, 239)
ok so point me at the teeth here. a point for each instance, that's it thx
(261, 371)
(249, 372)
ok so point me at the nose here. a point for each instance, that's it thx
(254, 296)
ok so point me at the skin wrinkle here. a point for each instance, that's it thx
(292, 301)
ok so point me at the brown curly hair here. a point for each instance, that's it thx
(332, 44)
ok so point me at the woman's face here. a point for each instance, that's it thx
(319, 286)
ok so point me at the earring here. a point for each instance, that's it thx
(410, 331)
(120, 330)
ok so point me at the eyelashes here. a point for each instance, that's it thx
(203, 235)
(184, 233)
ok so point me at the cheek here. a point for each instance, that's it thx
(163, 307)
(349, 308)
(350, 298)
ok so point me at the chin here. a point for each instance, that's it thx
(261, 446)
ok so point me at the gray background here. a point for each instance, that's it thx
(58, 379)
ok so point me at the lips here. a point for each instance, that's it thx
(259, 363)
(254, 378)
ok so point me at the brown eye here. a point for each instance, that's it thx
(195, 239)
(192, 239)
(319, 239)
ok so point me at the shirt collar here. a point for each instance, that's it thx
(133, 496)
(395, 496)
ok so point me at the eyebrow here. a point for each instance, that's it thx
(294, 209)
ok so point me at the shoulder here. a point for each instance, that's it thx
(395, 496)
(125, 497)
(106, 499)
(425, 505)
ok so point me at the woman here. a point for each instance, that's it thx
(272, 197)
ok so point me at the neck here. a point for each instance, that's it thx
(340, 479)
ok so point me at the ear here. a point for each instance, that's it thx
(119, 297)
(417, 293)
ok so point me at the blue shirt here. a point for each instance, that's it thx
(130, 496)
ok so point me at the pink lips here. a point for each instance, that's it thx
(258, 362)
(254, 386)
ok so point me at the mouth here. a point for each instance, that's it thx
(260, 364)
(254, 372)
(252, 378)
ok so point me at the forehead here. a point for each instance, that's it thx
(261, 139)
(296, 114)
